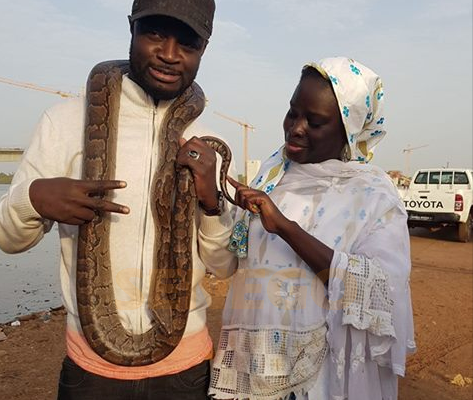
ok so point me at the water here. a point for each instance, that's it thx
(30, 280)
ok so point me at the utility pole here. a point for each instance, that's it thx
(246, 128)
(26, 85)
(407, 151)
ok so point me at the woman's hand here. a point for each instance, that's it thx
(202, 161)
(315, 253)
(258, 202)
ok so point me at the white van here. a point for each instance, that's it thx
(441, 197)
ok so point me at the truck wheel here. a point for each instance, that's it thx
(464, 229)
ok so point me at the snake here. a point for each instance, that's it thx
(174, 203)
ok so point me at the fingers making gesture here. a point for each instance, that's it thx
(72, 201)
(75, 201)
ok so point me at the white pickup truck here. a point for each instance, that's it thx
(440, 197)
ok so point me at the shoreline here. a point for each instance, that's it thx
(443, 333)
(34, 315)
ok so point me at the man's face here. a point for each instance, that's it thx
(165, 55)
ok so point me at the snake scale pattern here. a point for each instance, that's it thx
(174, 203)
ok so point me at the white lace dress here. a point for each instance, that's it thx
(288, 333)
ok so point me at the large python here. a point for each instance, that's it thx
(174, 203)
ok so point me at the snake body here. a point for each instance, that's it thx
(173, 204)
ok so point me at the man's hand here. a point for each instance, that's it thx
(70, 201)
(203, 167)
(258, 202)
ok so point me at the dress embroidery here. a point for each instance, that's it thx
(267, 364)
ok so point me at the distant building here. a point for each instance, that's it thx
(10, 154)
(253, 167)
(400, 180)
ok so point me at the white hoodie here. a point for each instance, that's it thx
(56, 150)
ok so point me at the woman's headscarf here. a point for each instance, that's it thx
(360, 96)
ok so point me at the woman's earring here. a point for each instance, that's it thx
(345, 156)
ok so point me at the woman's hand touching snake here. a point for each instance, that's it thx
(259, 202)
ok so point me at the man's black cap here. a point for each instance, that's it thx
(198, 14)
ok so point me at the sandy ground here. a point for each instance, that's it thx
(442, 290)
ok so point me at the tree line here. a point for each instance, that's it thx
(5, 178)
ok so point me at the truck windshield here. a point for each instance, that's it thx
(421, 177)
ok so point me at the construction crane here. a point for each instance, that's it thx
(36, 87)
(407, 151)
(246, 127)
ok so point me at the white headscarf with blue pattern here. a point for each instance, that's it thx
(360, 96)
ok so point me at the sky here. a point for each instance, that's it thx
(422, 49)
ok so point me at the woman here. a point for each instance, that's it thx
(319, 307)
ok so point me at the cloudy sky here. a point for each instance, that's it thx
(422, 49)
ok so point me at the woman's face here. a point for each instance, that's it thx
(313, 127)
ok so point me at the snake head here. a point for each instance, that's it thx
(162, 315)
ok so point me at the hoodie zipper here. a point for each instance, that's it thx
(146, 213)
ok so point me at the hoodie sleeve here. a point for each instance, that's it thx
(54, 149)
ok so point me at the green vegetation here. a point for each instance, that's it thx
(5, 178)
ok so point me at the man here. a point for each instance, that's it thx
(168, 40)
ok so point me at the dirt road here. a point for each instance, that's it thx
(442, 291)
